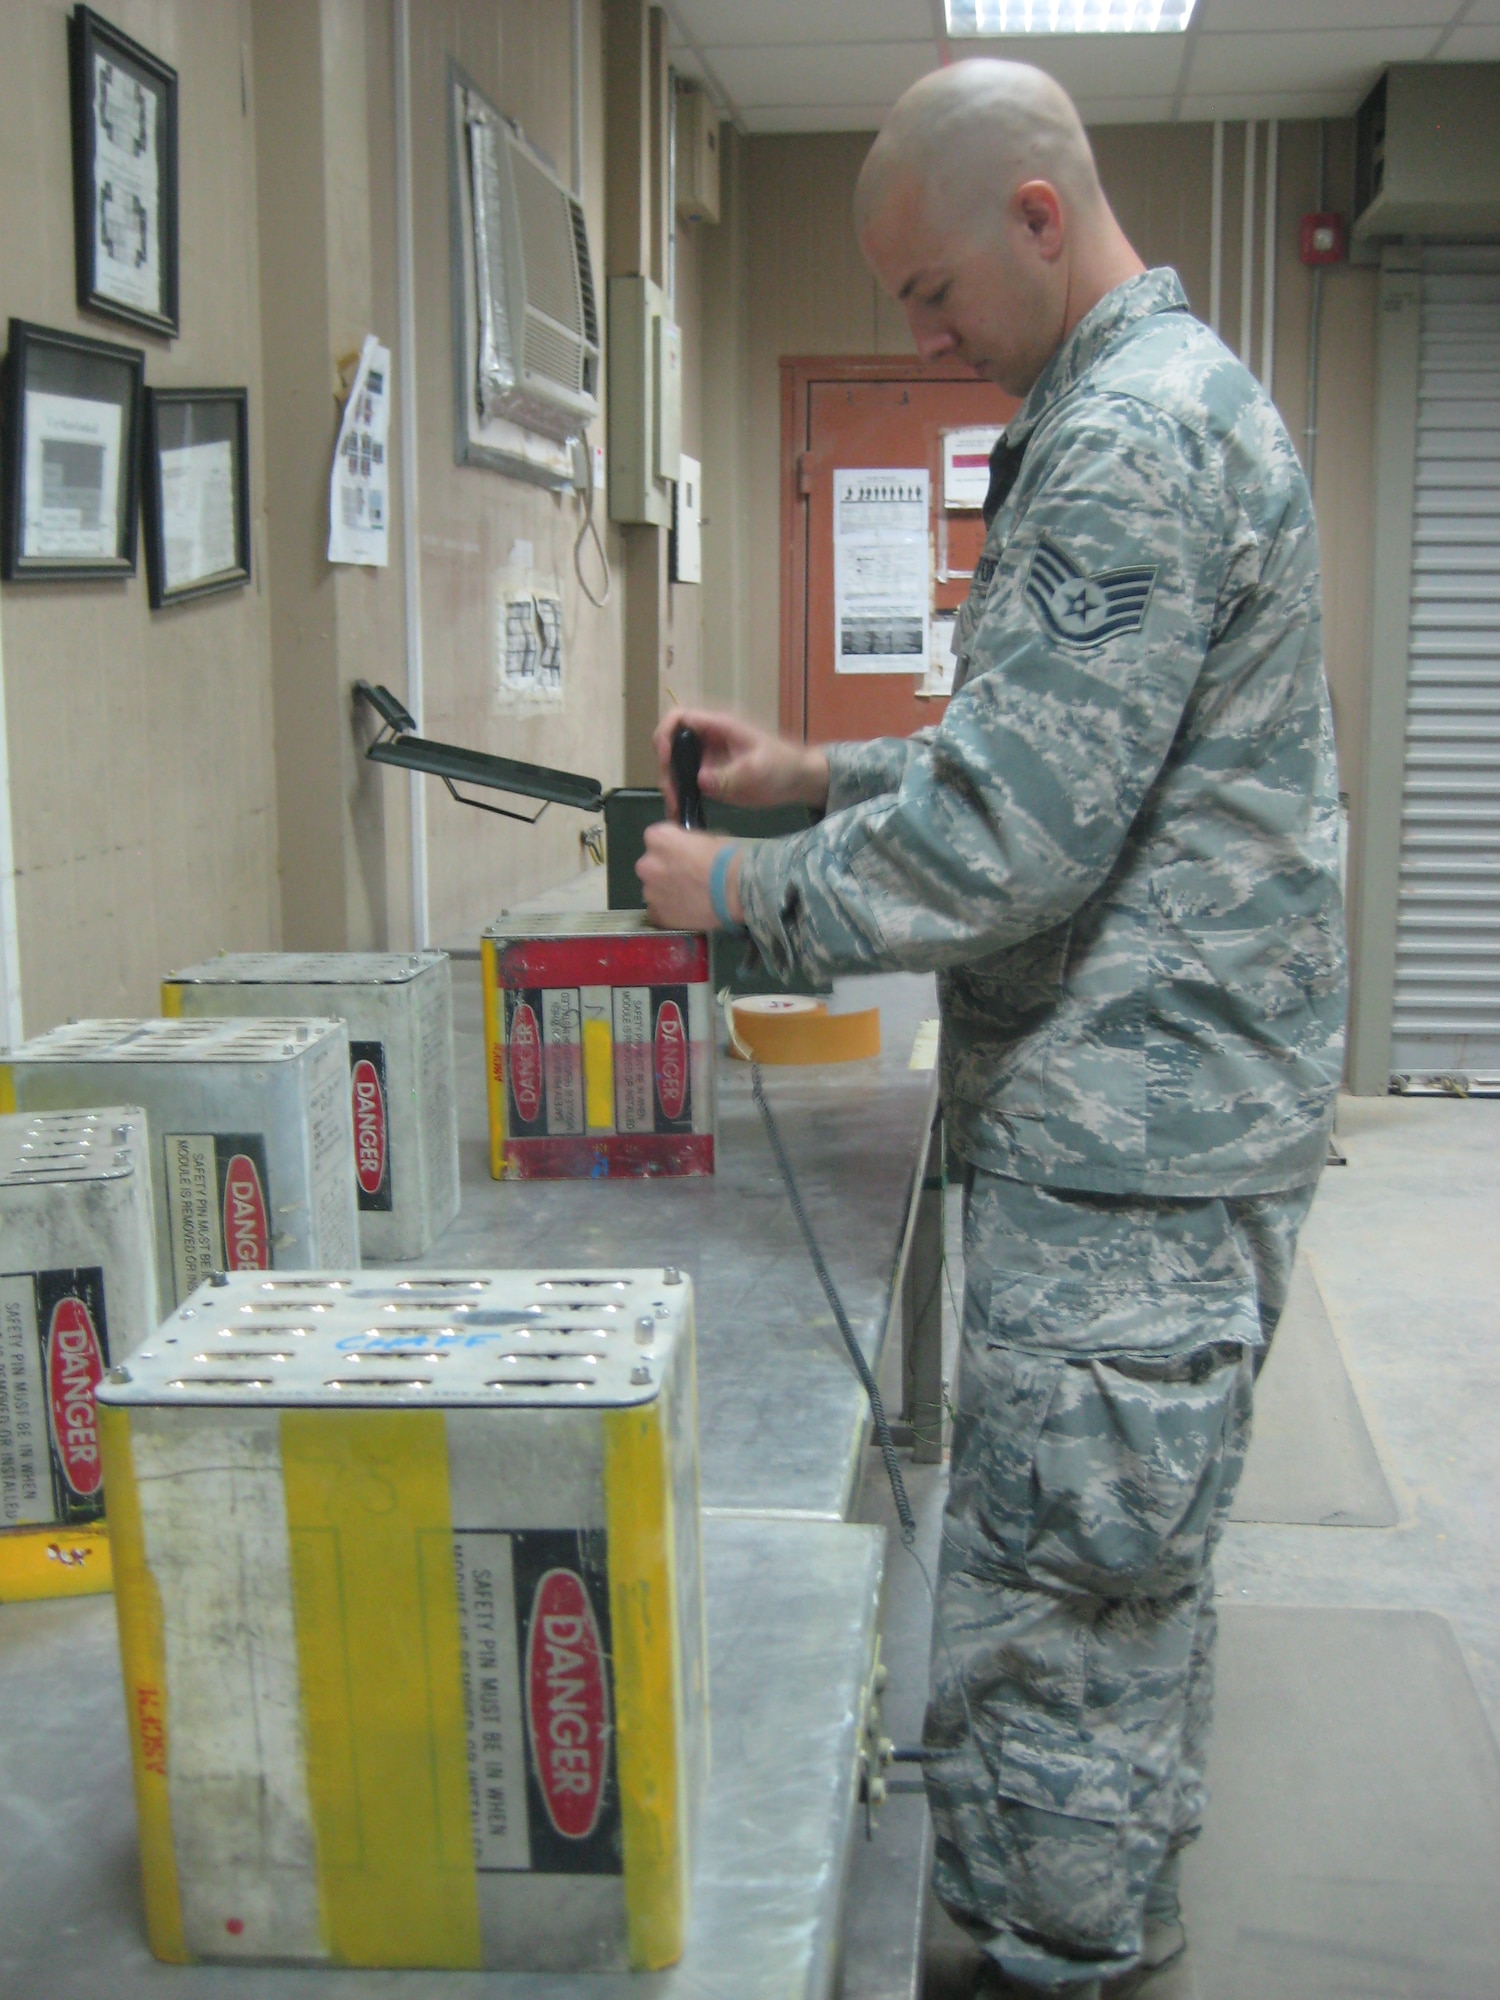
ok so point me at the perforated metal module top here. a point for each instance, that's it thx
(367, 1339)
(45, 1146)
(308, 968)
(225, 1038)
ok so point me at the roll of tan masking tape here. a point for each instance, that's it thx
(791, 1028)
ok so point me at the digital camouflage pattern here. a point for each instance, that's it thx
(1119, 847)
(1110, 1345)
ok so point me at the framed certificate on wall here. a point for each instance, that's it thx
(124, 175)
(197, 492)
(72, 412)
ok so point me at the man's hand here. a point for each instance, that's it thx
(674, 873)
(743, 765)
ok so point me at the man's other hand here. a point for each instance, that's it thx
(743, 765)
(674, 873)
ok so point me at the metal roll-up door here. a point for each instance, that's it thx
(1447, 997)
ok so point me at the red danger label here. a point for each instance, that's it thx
(247, 1234)
(369, 1125)
(567, 1707)
(671, 1060)
(526, 1063)
(74, 1365)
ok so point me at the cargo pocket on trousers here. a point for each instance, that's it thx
(1133, 1469)
(1064, 1804)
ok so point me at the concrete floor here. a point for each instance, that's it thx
(1404, 1245)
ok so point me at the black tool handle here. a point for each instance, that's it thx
(687, 755)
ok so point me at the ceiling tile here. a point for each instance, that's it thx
(1318, 60)
(771, 23)
(1483, 13)
(1124, 110)
(867, 73)
(1266, 16)
(1271, 104)
(1473, 42)
(1096, 65)
(816, 118)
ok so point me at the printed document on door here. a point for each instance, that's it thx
(881, 565)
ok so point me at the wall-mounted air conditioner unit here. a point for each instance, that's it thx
(1427, 154)
(526, 318)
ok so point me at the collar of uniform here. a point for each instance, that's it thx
(1100, 329)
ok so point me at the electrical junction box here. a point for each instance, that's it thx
(398, 1008)
(599, 1048)
(1427, 153)
(77, 1292)
(410, 1600)
(251, 1140)
(697, 155)
(645, 403)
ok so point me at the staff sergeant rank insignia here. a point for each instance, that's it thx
(1086, 610)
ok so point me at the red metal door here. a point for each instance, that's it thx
(840, 415)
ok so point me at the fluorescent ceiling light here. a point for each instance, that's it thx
(1068, 17)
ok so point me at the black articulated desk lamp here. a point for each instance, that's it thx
(627, 811)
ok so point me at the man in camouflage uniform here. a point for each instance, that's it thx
(1118, 851)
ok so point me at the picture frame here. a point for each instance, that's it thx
(70, 473)
(196, 488)
(124, 175)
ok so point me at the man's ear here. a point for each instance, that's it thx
(1038, 208)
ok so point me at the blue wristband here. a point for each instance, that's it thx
(716, 893)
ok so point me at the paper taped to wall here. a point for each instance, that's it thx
(358, 510)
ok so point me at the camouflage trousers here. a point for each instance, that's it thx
(1110, 1348)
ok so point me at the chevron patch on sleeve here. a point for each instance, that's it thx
(1086, 610)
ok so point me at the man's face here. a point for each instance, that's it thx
(991, 295)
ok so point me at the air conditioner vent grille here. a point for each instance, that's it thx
(544, 214)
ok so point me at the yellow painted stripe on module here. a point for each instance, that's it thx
(494, 1053)
(378, 1649)
(599, 1075)
(54, 1562)
(143, 1657)
(171, 999)
(637, 1498)
(7, 1087)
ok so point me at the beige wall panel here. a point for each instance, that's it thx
(471, 519)
(1159, 182)
(140, 743)
(726, 431)
(809, 292)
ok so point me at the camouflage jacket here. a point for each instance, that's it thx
(1118, 848)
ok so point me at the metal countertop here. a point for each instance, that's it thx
(782, 1418)
(792, 1609)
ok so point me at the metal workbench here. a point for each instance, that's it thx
(792, 1587)
(782, 1418)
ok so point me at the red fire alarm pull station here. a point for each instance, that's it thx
(1320, 239)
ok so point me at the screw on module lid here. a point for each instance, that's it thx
(375, 1339)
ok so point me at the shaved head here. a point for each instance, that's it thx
(969, 135)
(979, 208)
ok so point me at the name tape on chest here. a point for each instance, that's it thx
(1083, 610)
